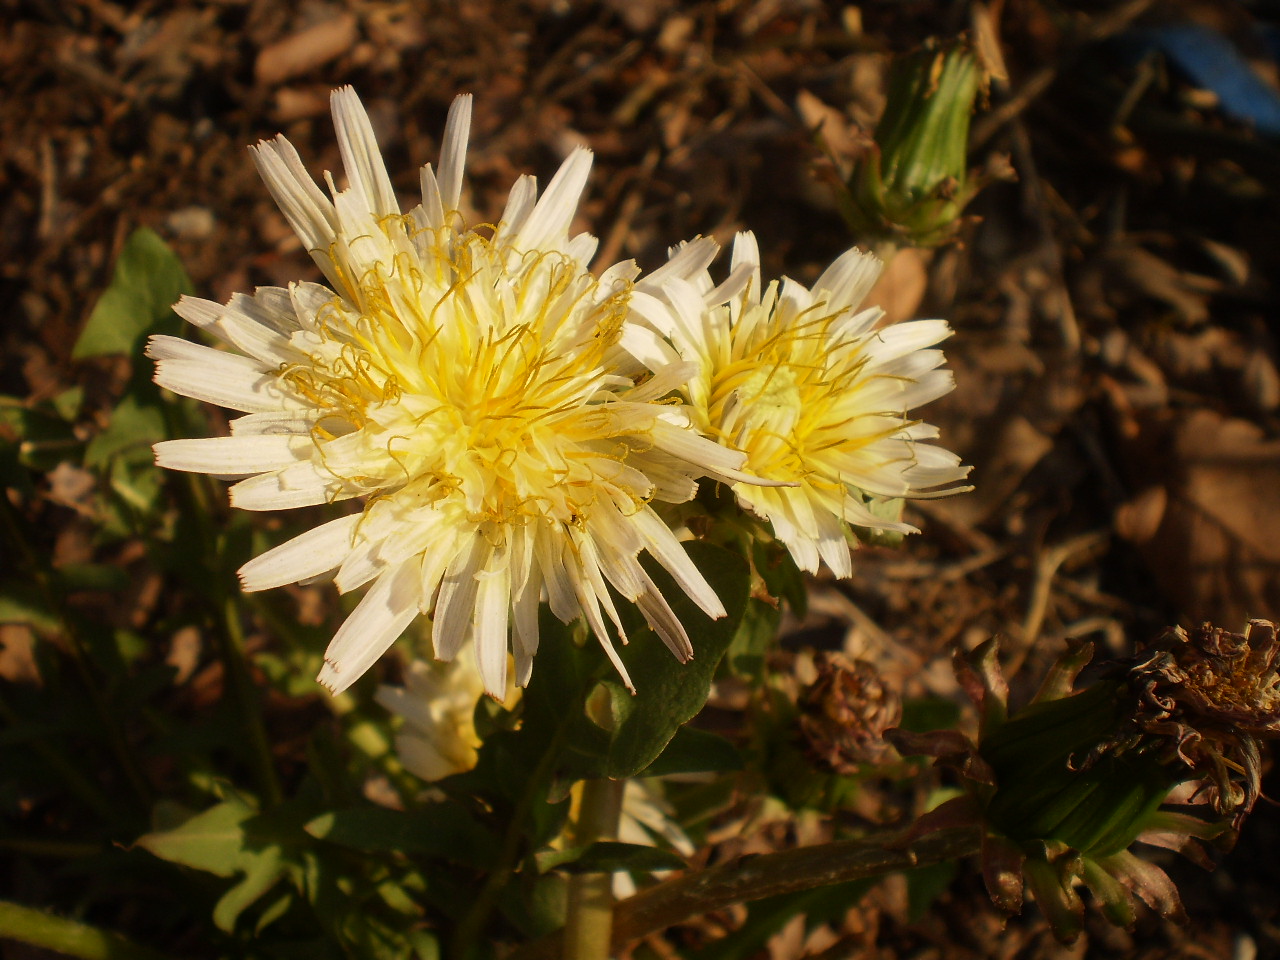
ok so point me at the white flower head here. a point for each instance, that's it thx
(438, 705)
(469, 387)
(804, 384)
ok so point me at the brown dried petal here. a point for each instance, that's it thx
(1002, 871)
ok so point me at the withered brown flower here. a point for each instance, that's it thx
(1065, 785)
(845, 712)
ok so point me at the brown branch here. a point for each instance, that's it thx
(755, 877)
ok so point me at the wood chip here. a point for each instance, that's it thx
(302, 52)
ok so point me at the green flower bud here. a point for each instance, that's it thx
(912, 185)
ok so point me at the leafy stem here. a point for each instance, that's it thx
(67, 937)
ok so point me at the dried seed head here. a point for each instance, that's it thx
(844, 713)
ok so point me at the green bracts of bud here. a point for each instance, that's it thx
(1055, 785)
(912, 186)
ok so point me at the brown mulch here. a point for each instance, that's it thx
(1114, 352)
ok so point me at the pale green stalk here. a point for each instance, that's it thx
(589, 924)
(67, 937)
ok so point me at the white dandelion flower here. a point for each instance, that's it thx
(807, 387)
(438, 705)
(469, 386)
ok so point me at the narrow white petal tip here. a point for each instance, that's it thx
(333, 679)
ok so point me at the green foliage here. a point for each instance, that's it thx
(218, 842)
(695, 751)
(148, 280)
(669, 693)
(442, 829)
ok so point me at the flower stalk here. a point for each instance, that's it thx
(589, 923)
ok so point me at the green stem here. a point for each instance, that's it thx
(57, 849)
(236, 664)
(471, 926)
(766, 875)
(67, 937)
(589, 923)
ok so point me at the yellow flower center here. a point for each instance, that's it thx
(482, 378)
(776, 400)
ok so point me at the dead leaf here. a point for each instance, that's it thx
(17, 654)
(1216, 549)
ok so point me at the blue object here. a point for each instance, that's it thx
(1211, 61)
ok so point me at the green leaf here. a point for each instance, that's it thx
(758, 629)
(148, 280)
(695, 751)
(444, 829)
(929, 713)
(41, 437)
(212, 841)
(781, 576)
(135, 425)
(610, 856)
(670, 693)
(260, 875)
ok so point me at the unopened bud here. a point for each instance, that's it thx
(912, 185)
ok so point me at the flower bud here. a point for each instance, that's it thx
(912, 185)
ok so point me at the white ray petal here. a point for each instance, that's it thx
(310, 554)
(301, 485)
(686, 261)
(849, 279)
(232, 456)
(360, 154)
(309, 212)
(548, 224)
(453, 151)
(215, 376)
(666, 549)
(282, 423)
(375, 624)
(492, 609)
(456, 603)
